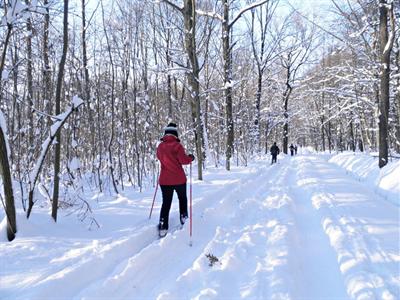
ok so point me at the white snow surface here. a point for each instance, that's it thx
(304, 228)
(363, 167)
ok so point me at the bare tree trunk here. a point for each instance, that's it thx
(60, 78)
(111, 141)
(87, 85)
(4, 163)
(323, 132)
(189, 13)
(261, 59)
(7, 185)
(137, 147)
(15, 104)
(385, 49)
(29, 77)
(286, 96)
(169, 87)
(226, 48)
(47, 84)
(330, 136)
(100, 148)
(352, 138)
(397, 111)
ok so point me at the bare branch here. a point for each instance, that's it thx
(179, 8)
(315, 24)
(251, 6)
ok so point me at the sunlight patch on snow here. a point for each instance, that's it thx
(276, 202)
(278, 233)
(272, 223)
(280, 296)
(276, 258)
(334, 232)
(379, 229)
(69, 255)
(386, 295)
(348, 265)
(320, 200)
(58, 275)
(224, 181)
(382, 257)
(122, 200)
(196, 267)
(97, 196)
(207, 293)
(23, 279)
(247, 290)
(358, 288)
(306, 182)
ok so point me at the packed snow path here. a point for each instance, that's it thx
(299, 229)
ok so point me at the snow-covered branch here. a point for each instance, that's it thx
(61, 119)
(389, 44)
(55, 128)
(210, 14)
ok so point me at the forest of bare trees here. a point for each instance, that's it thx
(87, 86)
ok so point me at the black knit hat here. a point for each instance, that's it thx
(171, 129)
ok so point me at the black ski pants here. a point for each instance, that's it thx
(274, 158)
(167, 195)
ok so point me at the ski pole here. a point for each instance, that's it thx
(154, 198)
(190, 197)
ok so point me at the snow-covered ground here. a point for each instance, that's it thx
(305, 228)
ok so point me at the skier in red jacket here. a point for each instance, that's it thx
(172, 156)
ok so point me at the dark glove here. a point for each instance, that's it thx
(191, 156)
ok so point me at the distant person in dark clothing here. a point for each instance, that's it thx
(291, 149)
(295, 149)
(274, 152)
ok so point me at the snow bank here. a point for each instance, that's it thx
(364, 167)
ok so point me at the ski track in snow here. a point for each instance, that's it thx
(299, 229)
(359, 224)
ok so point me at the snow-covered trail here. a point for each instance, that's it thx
(300, 229)
(363, 228)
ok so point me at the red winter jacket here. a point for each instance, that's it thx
(172, 156)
